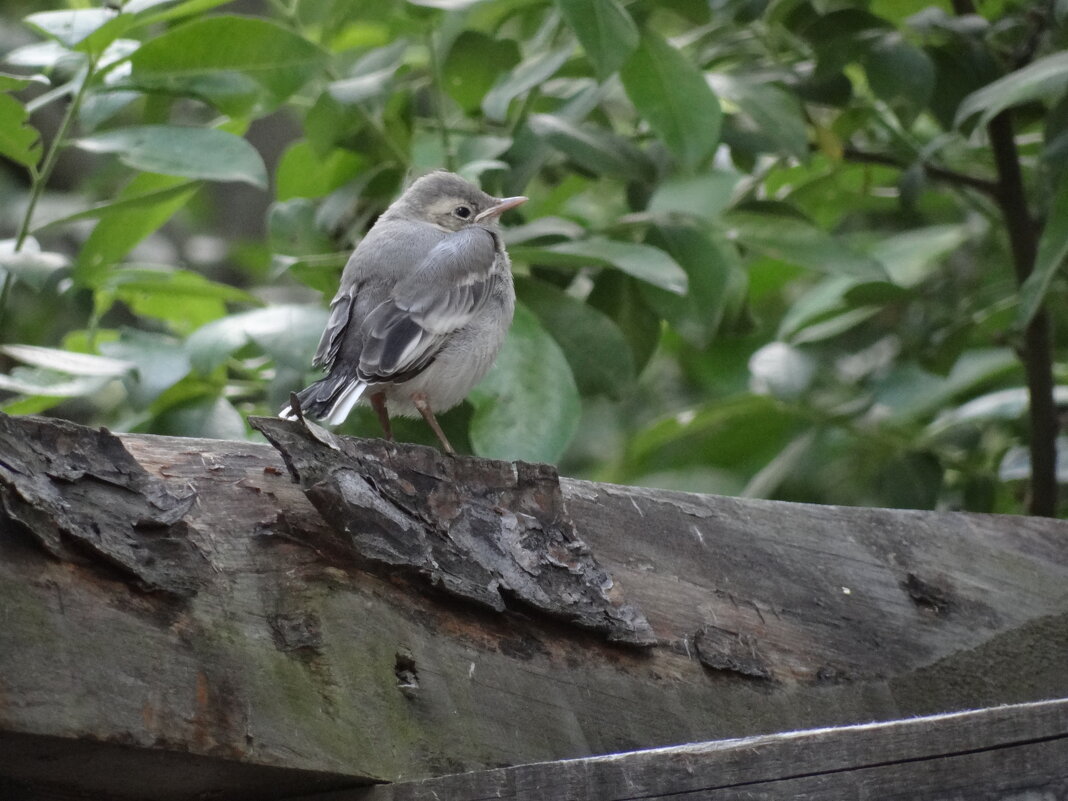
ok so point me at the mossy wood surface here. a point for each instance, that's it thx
(185, 597)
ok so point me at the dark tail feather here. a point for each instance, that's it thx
(330, 399)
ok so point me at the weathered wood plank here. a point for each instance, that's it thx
(286, 652)
(984, 755)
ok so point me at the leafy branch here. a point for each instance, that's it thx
(39, 178)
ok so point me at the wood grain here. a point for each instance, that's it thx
(997, 754)
(286, 652)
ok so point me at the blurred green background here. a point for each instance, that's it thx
(769, 248)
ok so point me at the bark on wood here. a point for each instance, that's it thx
(246, 629)
(482, 530)
(1015, 752)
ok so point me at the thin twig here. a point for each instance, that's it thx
(983, 185)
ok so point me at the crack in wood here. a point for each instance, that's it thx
(487, 531)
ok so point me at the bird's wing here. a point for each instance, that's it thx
(336, 325)
(404, 333)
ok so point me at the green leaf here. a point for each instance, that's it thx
(181, 297)
(72, 27)
(279, 59)
(594, 149)
(42, 385)
(704, 196)
(1004, 404)
(909, 392)
(176, 10)
(126, 204)
(65, 361)
(288, 333)
(532, 72)
(911, 256)
(900, 74)
(233, 93)
(293, 229)
(642, 261)
(604, 29)
(797, 241)
(543, 228)
(444, 5)
(207, 416)
(529, 154)
(780, 469)
(304, 173)
(39, 55)
(618, 296)
(15, 83)
(119, 231)
(775, 112)
(592, 343)
(205, 153)
(19, 141)
(160, 362)
(1052, 251)
(527, 407)
(319, 271)
(371, 76)
(1045, 79)
(962, 66)
(473, 64)
(741, 432)
(834, 325)
(674, 98)
(329, 123)
(712, 268)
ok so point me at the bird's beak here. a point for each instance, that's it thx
(500, 207)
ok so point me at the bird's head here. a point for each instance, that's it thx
(447, 201)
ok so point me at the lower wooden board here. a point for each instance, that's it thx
(1012, 753)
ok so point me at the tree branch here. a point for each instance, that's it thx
(983, 185)
(1036, 353)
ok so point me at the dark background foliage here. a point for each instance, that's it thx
(799, 249)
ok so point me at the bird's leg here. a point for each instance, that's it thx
(378, 403)
(422, 403)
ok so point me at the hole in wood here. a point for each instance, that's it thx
(404, 669)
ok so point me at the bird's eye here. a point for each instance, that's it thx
(463, 212)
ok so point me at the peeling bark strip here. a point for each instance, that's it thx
(483, 530)
(81, 496)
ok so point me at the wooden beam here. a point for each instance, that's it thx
(227, 619)
(1012, 752)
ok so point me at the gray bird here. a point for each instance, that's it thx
(423, 307)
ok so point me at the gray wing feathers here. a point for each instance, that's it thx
(334, 333)
(403, 334)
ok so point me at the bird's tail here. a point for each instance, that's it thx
(329, 399)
